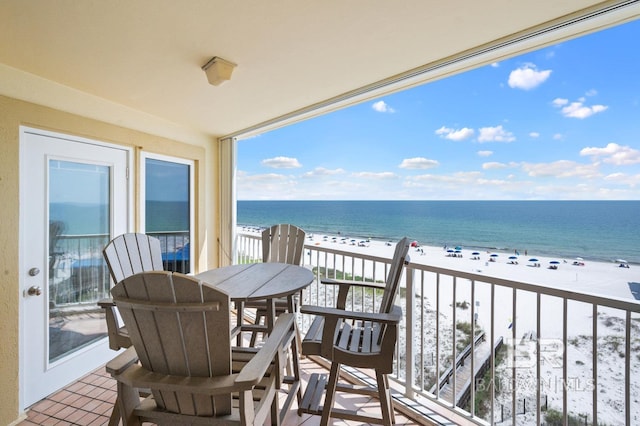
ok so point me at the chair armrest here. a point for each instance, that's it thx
(255, 369)
(123, 361)
(390, 318)
(353, 283)
(136, 376)
(117, 337)
(106, 303)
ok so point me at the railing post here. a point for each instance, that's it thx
(410, 321)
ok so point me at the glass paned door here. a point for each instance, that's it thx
(74, 196)
(79, 227)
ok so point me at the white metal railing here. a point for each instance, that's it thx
(561, 357)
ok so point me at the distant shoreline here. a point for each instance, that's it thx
(594, 230)
(593, 277)
(480, 248)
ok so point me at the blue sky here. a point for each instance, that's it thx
(559, 123)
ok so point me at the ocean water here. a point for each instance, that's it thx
(593, 230)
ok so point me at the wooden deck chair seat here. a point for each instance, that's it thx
(180, 331)
(356, 339)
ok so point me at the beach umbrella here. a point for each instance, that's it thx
(513, 257)
(476, 253)
(458, 248)
(554, 262)
(494, 255)
(620, 261)
(579, 258)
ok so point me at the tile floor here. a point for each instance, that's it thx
(89, 401)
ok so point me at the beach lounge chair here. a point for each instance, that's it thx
(357, 339)
(180, 331)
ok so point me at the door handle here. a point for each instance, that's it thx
(34, 271)
(34, 291)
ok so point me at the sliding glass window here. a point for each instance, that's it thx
(167, 207)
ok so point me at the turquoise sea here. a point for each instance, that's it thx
(593, 230)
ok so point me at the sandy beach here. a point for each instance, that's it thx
(600, 278)
(605, 279)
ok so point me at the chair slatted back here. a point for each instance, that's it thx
(132, 253)
(178, 327)
(283, 243)
(398, 262)
(400, 259)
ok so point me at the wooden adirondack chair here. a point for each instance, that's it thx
(180, 331)
(282, 243)
(127, 254)
(356, 339)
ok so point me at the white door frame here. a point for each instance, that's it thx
(26, 132)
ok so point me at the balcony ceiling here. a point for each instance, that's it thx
(146, 55)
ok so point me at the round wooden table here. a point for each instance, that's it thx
(264, 281)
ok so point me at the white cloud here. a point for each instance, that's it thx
(494, 165)
(455, 135)
(381, 106)
(557, 136)
(624, 179)
(463, 178)
(495, 134)
(534, 135)
(418, 163)
(495, 64)
(374, 175)
(591, 92)
(264, 179)
(577, 109)
(558, 102)
(527, 77)
(321, 171)
(561, 169)
(281, 163)
(485, 153)
(614, 154)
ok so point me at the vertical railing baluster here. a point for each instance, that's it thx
(374, 292)
(493, 358)
(422, 321)
(565, 404)
(538, 358)
(627, 370)
(455, 350)
(594, 362)
(472, 404)
(409, 324)
(437, 335)
(514, 306)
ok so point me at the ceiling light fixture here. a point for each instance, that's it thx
(218, 70)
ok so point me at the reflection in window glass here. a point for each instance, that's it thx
(79, 222)
(167, 214)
